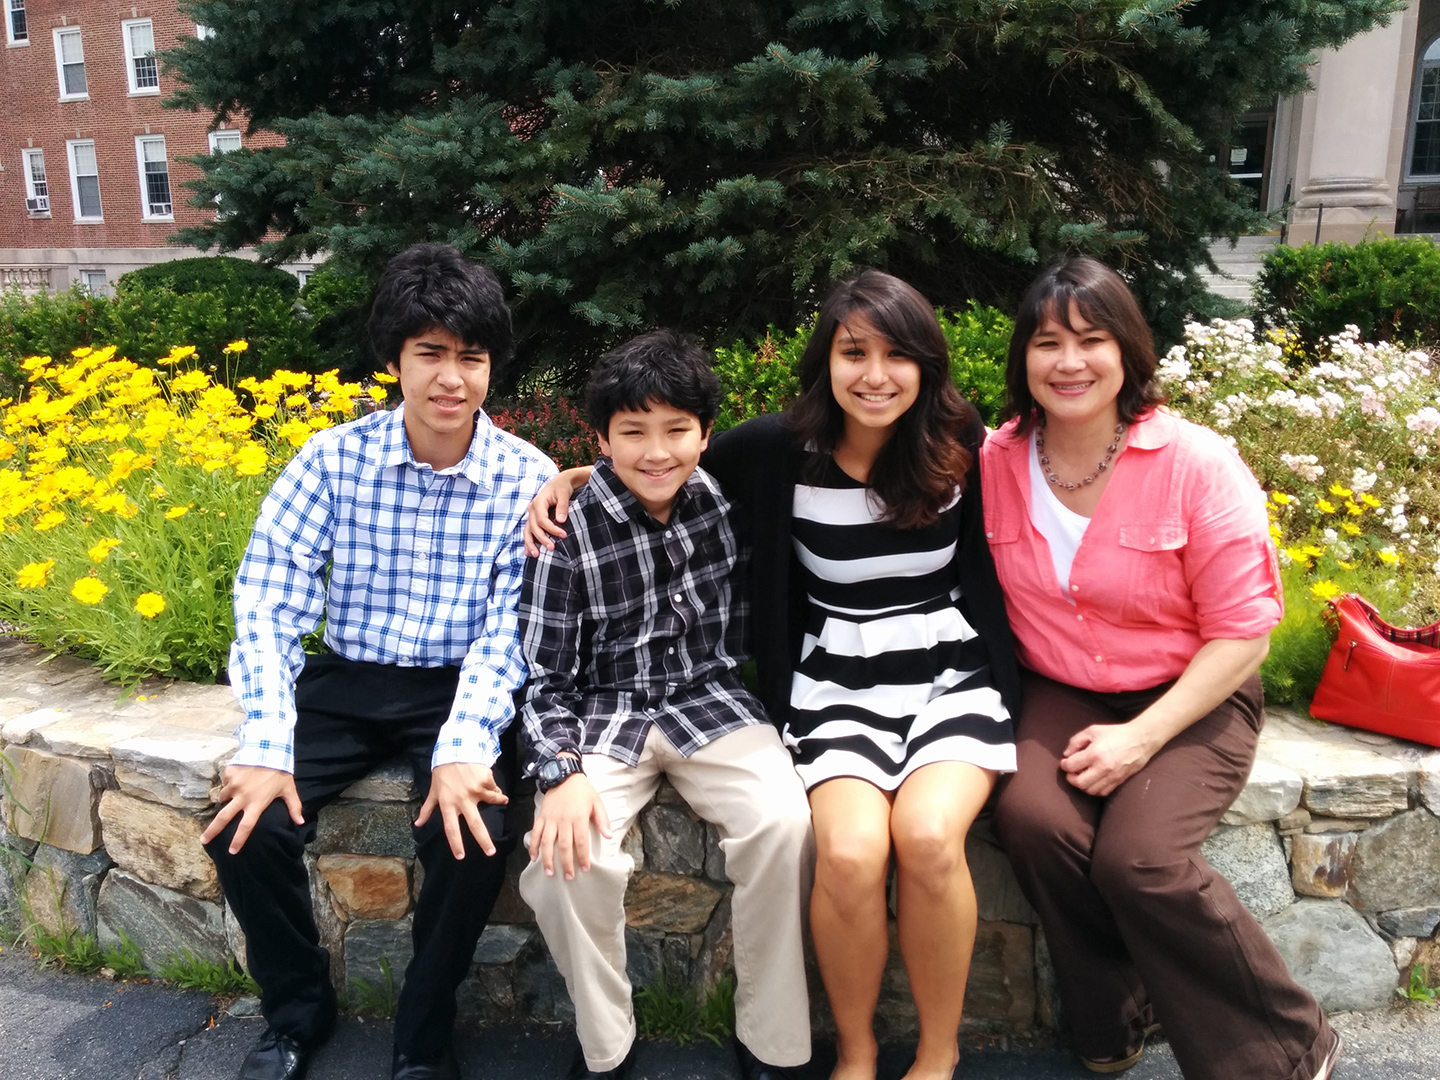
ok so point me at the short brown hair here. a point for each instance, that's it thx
(1104, 301)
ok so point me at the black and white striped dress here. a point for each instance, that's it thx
(891, 675)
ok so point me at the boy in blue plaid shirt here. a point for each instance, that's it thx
(633, 629)
(402, 529)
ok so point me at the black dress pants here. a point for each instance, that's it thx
(351, 716)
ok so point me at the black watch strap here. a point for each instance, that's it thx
(556, 770)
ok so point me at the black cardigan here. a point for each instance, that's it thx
(758, 465)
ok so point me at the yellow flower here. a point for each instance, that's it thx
(295, 432)
(7, 449)
(1324, 506)
(1350, 527)
(1324, 590)
(1313, 551)
(377, 393)
(1340, 492)
(295, 401)
(1345, 565)
(1370, 500)
(177, 354)
(1387, 556)
(250, 460)
(264, 411)
(89, 590)
(158, 491)
(1353, 508)
(1297, 555)
(295, 380)
(102, 548)
(237, 346)
(33, 575)
(189, 382)
(1280, 497)
(386, 377)
(47, 521)
(149, 604)
(176, 512)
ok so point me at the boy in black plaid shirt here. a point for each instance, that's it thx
(632, 628)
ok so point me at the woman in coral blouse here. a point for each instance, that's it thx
(1133, 550)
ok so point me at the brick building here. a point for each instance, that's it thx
(91, 176)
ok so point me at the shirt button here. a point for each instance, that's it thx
(1074, 588)
(1099, 659)
(1081, 618)
(990, 535)
(679, 598)
(669, 532)
(672, 652)
(1152, 540)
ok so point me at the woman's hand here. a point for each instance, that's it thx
(1100, 758)
(554, 496)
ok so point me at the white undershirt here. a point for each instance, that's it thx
(1062, 528)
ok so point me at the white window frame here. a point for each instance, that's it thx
(70, 146)
(37, 203)
(63, 31)
(132, 61)
(227, 133)
(202, 32)
(1413, 128)
(86, 283)
(12, 8)
(146, 207)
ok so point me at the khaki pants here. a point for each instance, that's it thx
(744, 784)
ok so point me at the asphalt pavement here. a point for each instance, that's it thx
(57, 1026)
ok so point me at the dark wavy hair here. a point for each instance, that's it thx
(918, 470)
(1104, 301)
(661, 366)
(433, 285)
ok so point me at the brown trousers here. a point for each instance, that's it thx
(1135, 918)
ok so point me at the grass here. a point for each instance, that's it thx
(1418, 988)
(663, 1012)
(378, 999)
(189, 972)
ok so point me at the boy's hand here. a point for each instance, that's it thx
(539, 528)
(563, 824)
(248, 790)
(457, 789)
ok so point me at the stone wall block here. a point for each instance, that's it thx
(84, 737)
(644, 957)
(235, 937)
(162, 922)
(393, 781)
(18, 730)
(502, 943)
(367, 940)
(1000, 993)
(1410, 922)
(173, 766)
(62, 887)
(159, 844)
(1333, 953)
(674, 840)
(997, 892)
(368, 886)
(15, 854)
(714, 855)
(676, 952)
(1428, 781)
(540, 992)
(488, 995)
(1272, 791)
(331, 922)
(713, 958)
(1049, 1013)
(633, 844)
(1251, 859)
(1320, 863)
(670, 902)
(1394, 864)
(509, 907)
(53, 799)
(366, 828)
(1376, 788)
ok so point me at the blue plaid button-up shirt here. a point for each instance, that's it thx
(424, 569)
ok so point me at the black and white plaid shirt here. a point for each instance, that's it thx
(629, 623)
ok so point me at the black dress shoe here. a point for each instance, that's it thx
(276, 1057)
(580, 1071)
(409, 1068)
(752, 1068)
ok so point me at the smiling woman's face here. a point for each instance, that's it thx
(874, 383)
(1074, 372)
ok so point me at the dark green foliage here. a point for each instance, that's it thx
(337, 306)
(192, 973)
(217, 274)
(379, 999)
(550, 422)
(663, 1012)
(710, 164)
(1390, 289)
(979, 339)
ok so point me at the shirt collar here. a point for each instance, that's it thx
(620, 502)
(1151, 431)
(474, 466)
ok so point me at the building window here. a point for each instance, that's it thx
(203, 32)
(141, 67)
(37, 187)
(16, 30)
(70, 60)
(1425, 152)
(84, 179)
(154, 177)
(93, 281)
(224, 141)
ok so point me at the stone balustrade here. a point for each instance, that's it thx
(28, 279)
(1334, 845)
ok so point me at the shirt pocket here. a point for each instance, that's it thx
(1153, 565)
(459, 574)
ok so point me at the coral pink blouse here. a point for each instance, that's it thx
(1178, 553)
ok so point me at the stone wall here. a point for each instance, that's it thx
(1335, 845)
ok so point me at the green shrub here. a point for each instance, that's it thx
(212, 274)
(551, 423)
(1389, 289)
(979, 339)
(337, 306)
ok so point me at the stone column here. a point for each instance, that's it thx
(1352, 135)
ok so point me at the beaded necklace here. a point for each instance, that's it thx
(1054, 478)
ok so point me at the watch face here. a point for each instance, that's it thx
(550, 771)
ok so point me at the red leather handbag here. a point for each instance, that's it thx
(1381, 677)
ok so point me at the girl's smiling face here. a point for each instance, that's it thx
(873, 382)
